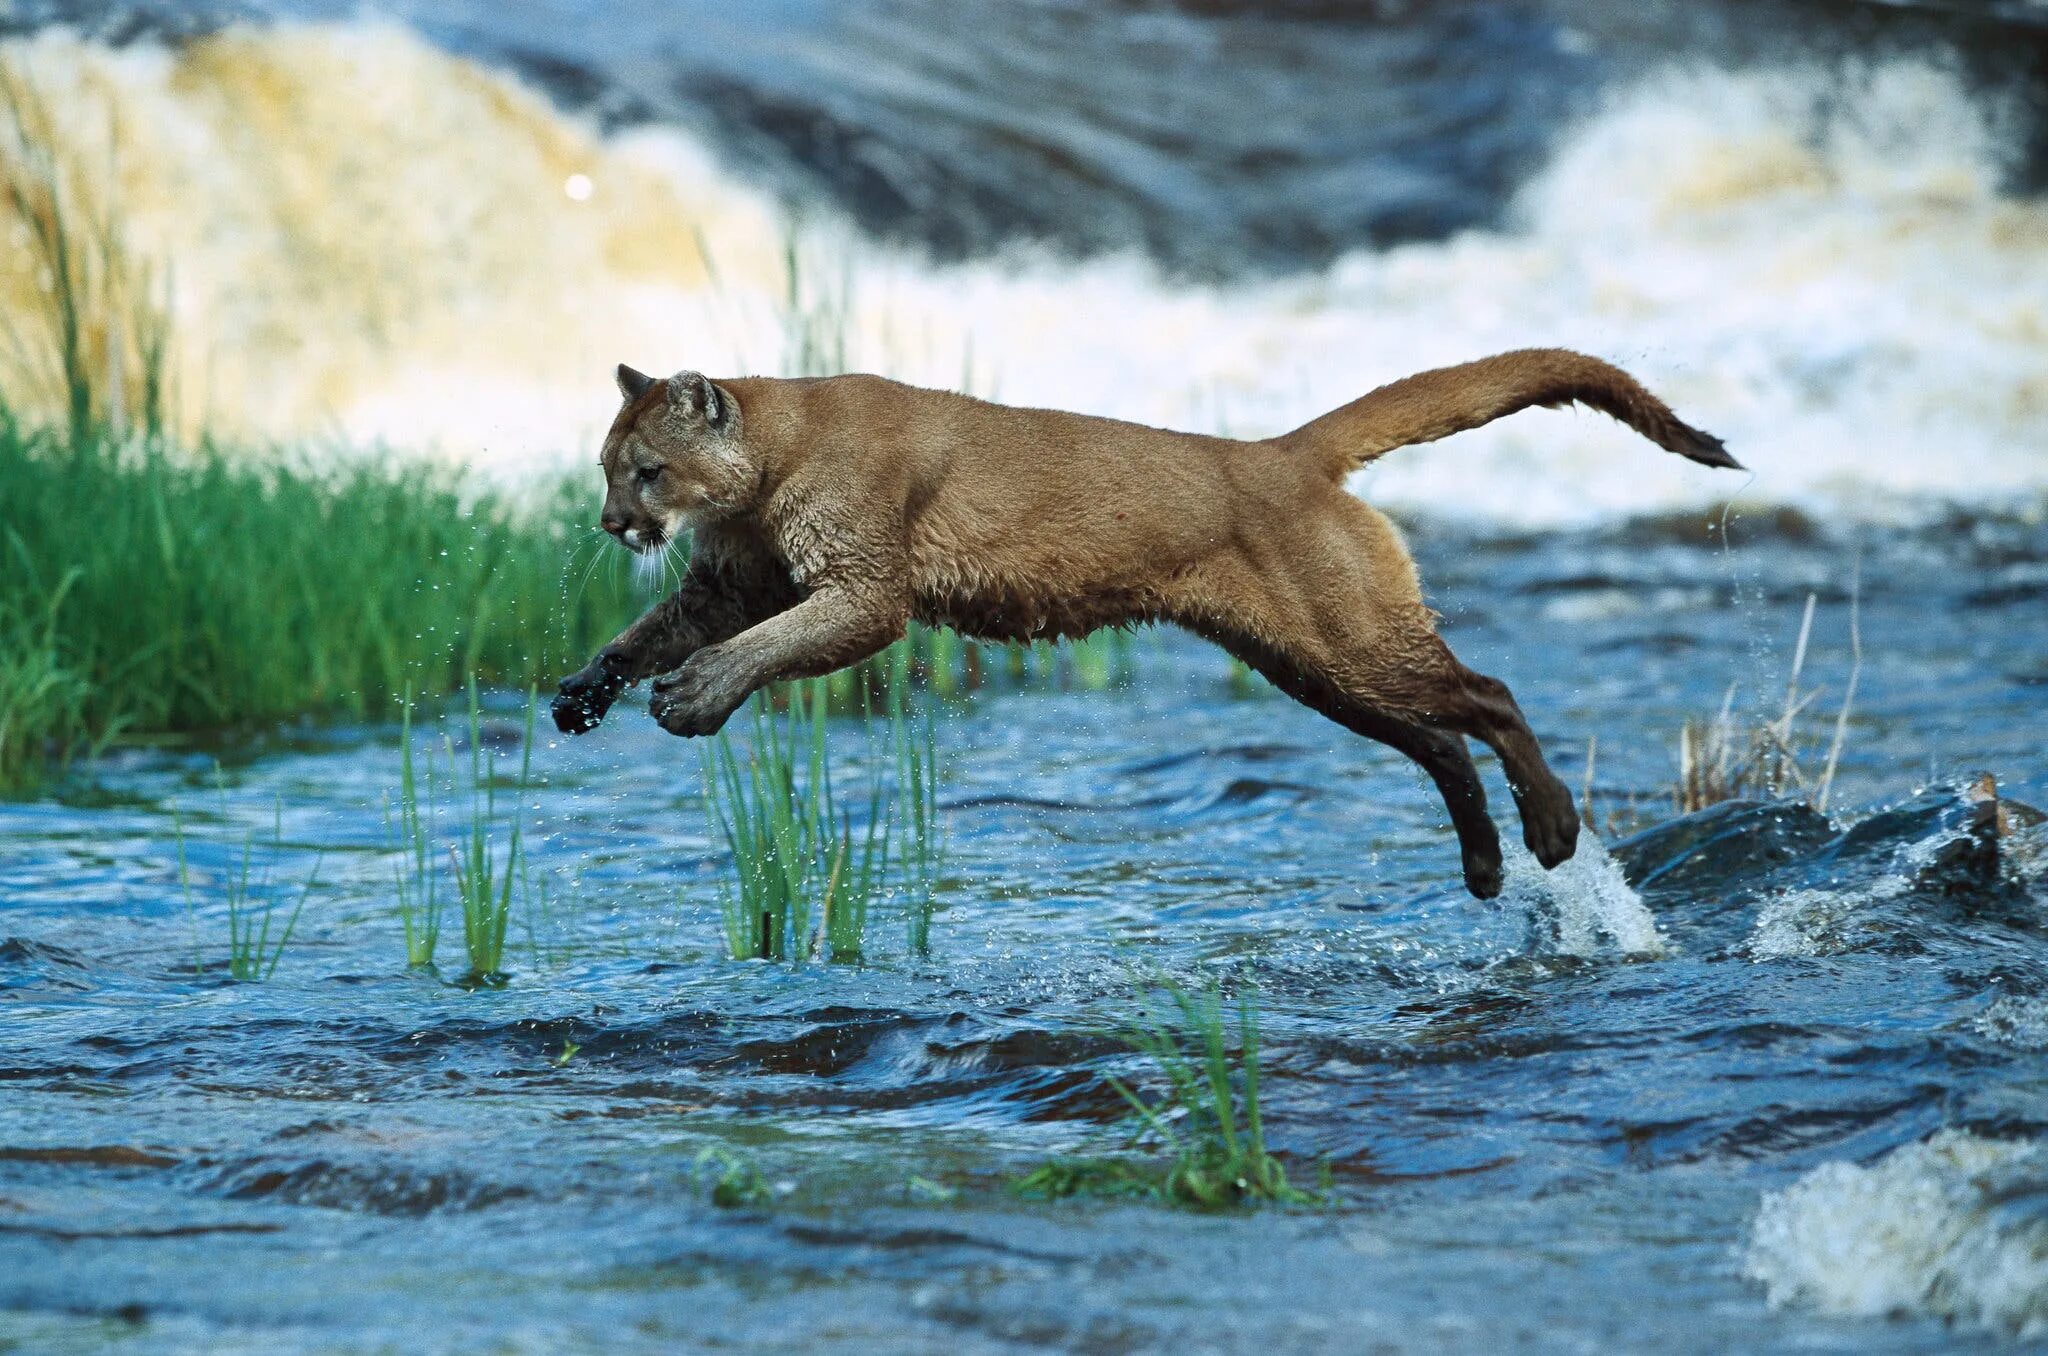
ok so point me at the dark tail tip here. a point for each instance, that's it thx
(1706, 449)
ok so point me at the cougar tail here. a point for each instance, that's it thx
(1436, 404)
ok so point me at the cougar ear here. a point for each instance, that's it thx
(632, 383)
(695, 392)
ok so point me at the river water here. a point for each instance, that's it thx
(1550, 1122)
(1760, 1079)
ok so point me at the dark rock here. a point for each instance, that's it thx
(1945, 840)
(1726, 851)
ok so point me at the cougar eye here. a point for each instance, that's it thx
(649, 474)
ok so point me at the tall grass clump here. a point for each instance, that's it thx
(486, 859)
(211, 590)
(807, 870)
(921, 850)
(479, 865)
(252, 954)
(42, 699)
(805, 876)
(1207, 1121)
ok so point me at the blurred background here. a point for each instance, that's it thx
(1815, 227)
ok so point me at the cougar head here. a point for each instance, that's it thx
(673, 458)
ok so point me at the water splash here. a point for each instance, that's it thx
(1950, 1228)
(1822, 922)
(1842, 915)
(1583, 907)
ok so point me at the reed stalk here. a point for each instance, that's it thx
(1718, 761)
(1827, 776)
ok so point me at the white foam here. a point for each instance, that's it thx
(1922, 1232)
(1819, 922)
(1827, 921)
(1816, 264)
(2018, 1020)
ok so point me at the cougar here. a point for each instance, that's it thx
(826, 513)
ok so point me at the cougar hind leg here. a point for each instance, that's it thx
(1332, 613)
(1430, 688)
(1439, 753)
(1377, 644)
(1474, 704)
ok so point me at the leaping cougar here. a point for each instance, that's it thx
(828, 512)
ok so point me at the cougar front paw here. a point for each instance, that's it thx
(697, 698)
(584, 696)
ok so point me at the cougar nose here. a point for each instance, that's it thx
(612, 524)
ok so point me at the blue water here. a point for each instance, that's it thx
(1532, 1132)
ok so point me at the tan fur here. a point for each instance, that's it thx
(829, 512)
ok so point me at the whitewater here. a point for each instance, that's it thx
(369, 241)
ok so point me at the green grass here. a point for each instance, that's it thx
(179, 591)
(920, 833)
(252, 905)
(1206, 1122)
(1111, 1179)
(42, 700)
(736, 1182)
(481, 861)
(417, 877)
(485, 873)
(948, 665)
(807, 872)
(1103, 660)
(804, 876)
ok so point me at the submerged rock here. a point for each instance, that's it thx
(1778, 878)
(1945, 839)
(1725, 851)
